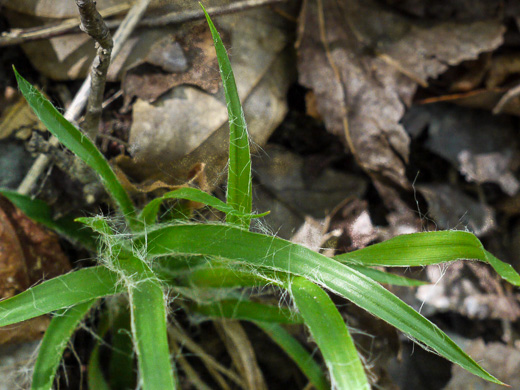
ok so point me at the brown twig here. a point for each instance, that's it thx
(93, 24)
(80, 100)
(16, 37)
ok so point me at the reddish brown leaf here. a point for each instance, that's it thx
(28, 254)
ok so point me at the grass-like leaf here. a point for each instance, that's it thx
(96, 380)
(54, 343)
(78, 143)
(330, 333)
(150, 211)
(148, 308)
(220, 276)
(59, 293)
(239, 190)
(40, 212)
(420, 249)
(297, 353)
(280, 255)
(121, 367)
(386, 277)
(248, 311)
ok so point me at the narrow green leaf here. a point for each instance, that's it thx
(330, 333)
(78, 143)
(239, 190)
(96, 379)
(95, 376)
(386, 277)
(420, 249)
(121, 367)
(503, 269)
(280, 255)
(248, 311)
(54, 343)
(297, 353)
(59, 293)
(148, 308)
(40, 212)
(223, 276)
(150, 211)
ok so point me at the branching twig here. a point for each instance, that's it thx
(17, 37)
(93, 24)
(79, 101)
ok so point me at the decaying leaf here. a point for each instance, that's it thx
(501, 359)
(186, 126)
(291, 192)
(188, 58)
(70, 56)
(490, 168)
(463, 137)
(242, 353)
(19, 120)
(364, 62)
(452, 209)
(470, 289)
(28, 253)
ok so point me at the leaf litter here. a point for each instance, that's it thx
(364, 63)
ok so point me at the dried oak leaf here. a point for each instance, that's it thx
(364, 63)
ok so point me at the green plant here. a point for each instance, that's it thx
(150, 257)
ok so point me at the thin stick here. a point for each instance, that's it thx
(79, 101)
(93, 24)
(17, 37)
(506, 98)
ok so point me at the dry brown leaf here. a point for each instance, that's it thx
(462, 136)
(503, 361)
(452, 209)
(188, 58)
(471, 289)
(186, 126)
(291, 192)
(70, 56)
(20, 120)
(242, 353)
(28, 253)
(364, 63)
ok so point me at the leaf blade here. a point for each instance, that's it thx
(78, 143)
(54, 343)
(420, 249)
(148, 314)
(330, 333)
(280, 255)
(59, 293)
(297, 353)
(40, 212)
(239, 187)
